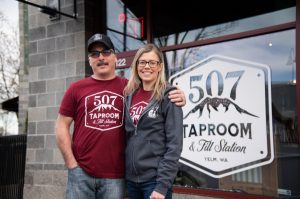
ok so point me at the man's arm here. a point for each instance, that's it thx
(64, 140)
(177, 96)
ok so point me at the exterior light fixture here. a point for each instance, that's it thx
(51, 11)
(52, 8)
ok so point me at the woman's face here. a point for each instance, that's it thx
(148, 68)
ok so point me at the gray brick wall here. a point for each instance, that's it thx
(54, 56)
(23, 74)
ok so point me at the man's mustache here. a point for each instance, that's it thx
(101, 63)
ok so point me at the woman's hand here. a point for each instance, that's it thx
(156, 195)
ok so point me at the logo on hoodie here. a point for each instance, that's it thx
(153, 112)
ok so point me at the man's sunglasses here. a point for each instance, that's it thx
(104, 53)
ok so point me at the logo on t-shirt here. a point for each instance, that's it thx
(136, 111)
(104, 110)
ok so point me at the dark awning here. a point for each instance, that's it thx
(11, 104)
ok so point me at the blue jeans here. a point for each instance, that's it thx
(82, 186)
(143, 190)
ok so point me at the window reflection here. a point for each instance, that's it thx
(277, 50)
(278, 56)
(123, 72)
(247, 24)
(125, 29)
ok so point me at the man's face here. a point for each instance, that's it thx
(103, 63)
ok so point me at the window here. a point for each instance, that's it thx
(126, 30)
(251, 23)
(277, 50)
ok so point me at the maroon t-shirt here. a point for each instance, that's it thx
(139, 102)
(97, 108)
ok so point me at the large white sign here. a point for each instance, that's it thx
(227, 118)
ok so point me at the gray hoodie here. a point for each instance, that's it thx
(154, 145)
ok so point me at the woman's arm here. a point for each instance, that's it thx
(168, 166)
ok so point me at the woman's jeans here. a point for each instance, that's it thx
(82, 186)
(143, 190)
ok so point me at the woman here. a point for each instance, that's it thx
(153, 127)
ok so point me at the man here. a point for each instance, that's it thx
(95, 154)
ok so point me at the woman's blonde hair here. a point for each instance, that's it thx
(135, 82)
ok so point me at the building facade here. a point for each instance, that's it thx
(236, 59)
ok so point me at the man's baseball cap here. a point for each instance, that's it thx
(99, 38)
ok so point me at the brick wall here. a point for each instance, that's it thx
(53, 56)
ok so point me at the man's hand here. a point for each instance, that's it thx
(156, 195)
(177, 96)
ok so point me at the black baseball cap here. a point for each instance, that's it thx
(100, 38)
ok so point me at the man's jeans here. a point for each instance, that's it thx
(82, 186)
(143, 190)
